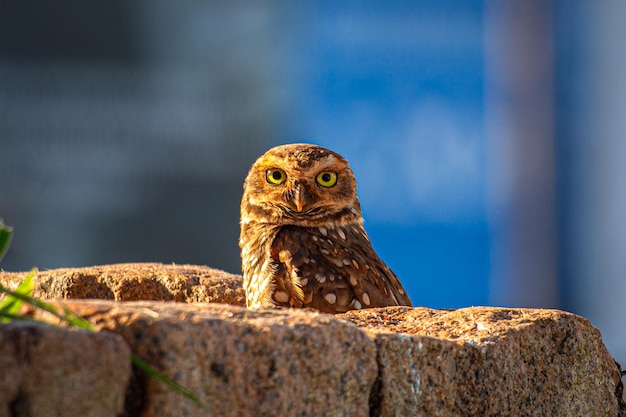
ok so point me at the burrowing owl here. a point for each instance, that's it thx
(302, 238)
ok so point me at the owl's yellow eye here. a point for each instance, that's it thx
(326, 178)
(275, 176)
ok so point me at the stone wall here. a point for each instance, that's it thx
(478, 361)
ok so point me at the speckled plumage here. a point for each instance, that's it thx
(302, 238)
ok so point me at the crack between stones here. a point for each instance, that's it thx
(19, 406)
(376, 397)
(134, 400)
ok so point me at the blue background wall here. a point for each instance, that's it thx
(398, 89)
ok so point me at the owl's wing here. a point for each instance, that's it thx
(335, 268)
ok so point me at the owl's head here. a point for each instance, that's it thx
(300, 184)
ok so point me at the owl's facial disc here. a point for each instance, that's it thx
(300, 184)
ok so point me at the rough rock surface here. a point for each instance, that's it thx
(483, 361)
(136, 281)
(478, 361)
(241, 362)
(50, 371)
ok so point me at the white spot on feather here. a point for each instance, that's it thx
(366, 298)
(331, 298)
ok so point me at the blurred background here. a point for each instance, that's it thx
(488, 137)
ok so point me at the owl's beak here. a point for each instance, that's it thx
(298, 197)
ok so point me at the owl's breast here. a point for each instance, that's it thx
(331, 268)
(319, 262)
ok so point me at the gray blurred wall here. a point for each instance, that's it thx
(127, 127)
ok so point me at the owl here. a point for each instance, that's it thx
(302, 238)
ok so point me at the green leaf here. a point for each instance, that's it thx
(67, 316)
(6, 233)
(12, 305)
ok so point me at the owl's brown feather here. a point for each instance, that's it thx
(303, 244)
